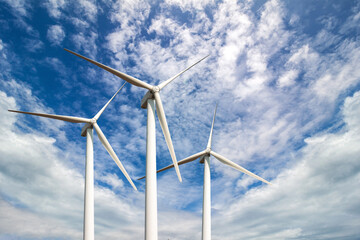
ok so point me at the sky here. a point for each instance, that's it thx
(286, 77)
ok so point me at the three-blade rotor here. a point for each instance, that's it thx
(155, 93)
(91, 122)
(219, 157)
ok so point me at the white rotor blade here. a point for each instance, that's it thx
(102, 110)
(110, 150)
(165, 129)
(237, 167)
(163, 84)
(212, 127)
(121, 75)
(183, 161)
(57, 117)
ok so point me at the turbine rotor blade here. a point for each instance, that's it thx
(165, 129)
(121, 75)
(183, 161)
(102, 110)
(110, 150)
(212, 127)
(237, 167)
(57, 117)
(163, 84)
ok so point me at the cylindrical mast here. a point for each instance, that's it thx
(206, 221)
(89, 187)
(151, 227)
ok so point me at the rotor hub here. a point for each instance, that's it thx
(208, 150)
(93, 120)
(155, 89)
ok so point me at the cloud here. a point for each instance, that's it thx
(86, 43)
(302, 199)
(33, 45)
(55, 34)
(189, 4)
(21, 10)
(288, 78)
(19, 7)
(88, 9)
(41, 185)
(54, 7)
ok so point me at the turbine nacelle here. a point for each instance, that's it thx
(202, 159)
(155, 89)
(148, 95)
(208, 150)
(88, 125)
(85, 127)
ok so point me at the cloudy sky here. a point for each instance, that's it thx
(286, 76)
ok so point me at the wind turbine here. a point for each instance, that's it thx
(205, 159)
(148, 102)
(87, 131)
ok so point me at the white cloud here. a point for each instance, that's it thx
(21, 10)
(54, 7)
(17, 222)
(112, 180)
(33, 178)
(33, 45)
(190, 4)
(127, 12)
(319, 190)
(341, 75)
(288, 78)
(81, 24)
(163, 26)
(271, 21)
(55, 34)
(117, 41)
(88, 9)
(18, 6)
(46, 190)
(304, 54)
(129, 15)
(86, 43)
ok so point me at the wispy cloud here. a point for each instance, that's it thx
(55, 34)
(54, 7)
(304, 196)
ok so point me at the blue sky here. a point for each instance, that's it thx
(286, 77)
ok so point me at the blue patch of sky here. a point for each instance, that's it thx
(155, 11)
(257, 8)
(14, 202)
(42, 78)
(314, 14)
(181, 17)
(209, 11)
(336, 123)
